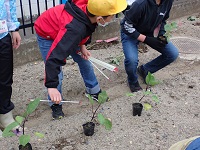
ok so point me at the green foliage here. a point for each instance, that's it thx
(191, 18)
(116, 60)
(91, 99)
(20, 121)
(102, 97)
(40, 135)
(150, 81)
(24, 139)
(31, 107)
(130, 94)
(147, 106)
(169, 28)
(104, 121)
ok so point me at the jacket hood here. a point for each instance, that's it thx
(153, 2)
(79, 14)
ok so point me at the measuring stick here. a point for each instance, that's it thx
(104, 64)
(44, 100)
(99, 70)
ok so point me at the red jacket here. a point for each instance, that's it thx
(68, 26)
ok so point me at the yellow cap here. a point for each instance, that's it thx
(106, 7)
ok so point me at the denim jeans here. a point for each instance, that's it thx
(130, 49)
(85, 67)
(194, 145)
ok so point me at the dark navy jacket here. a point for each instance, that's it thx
(144, 16)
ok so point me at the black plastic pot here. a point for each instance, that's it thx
(88, 128)
(26, 147)
(137, 109)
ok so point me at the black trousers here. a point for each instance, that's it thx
(6, 74)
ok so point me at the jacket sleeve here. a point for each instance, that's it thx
(162, 26)
(131, 19)
(12, 21)
(66, 41)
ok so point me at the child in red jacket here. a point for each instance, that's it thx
(64, 29)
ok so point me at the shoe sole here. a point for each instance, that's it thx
(60, 117)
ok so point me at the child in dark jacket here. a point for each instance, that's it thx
(138, 25)
(62, 31)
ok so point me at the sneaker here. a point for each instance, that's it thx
(95, 96)
(135, 87)
(142, 73)
(57, 112)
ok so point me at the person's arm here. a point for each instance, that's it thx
(85, 54)
(132, 17)
(130, 21)
(162, 26)
(65, 42)
(12, 23)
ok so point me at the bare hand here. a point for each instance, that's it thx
(85, 53)
(54, 95)
(16, 39)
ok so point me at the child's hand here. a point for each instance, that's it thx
(85, 53)
(16, 40)
(54, 95)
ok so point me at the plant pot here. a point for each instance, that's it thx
(137, 109)
(88, 128)
(26, 147)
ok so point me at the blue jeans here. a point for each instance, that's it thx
(130, 49)
(85, 67)
(194, 145)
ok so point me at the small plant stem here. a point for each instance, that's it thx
(147, 87)
(95, 112)
(141, 98)
(23, 125)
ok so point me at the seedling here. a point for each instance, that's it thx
(150, 81)
(116, 60)
(169, 28)
(102, 98)
(19, 123)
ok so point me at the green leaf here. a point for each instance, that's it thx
(155, 99)
(167, 27)
(102, 97)
(174, 25)
(90, 99)
(191, 18)
(115, 61)
(7, 131)
(130, 94)
(31, 107)
(24, 139)
(40, 135)
(19, 119)
(108, 124)
(147, 106)
(8, 134)
(150, 80)
(148, 93)
(101, 118)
